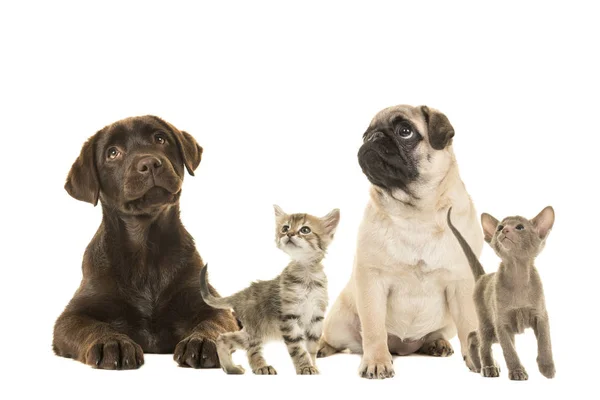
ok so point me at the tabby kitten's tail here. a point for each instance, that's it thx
(215, 302)
(471, 257)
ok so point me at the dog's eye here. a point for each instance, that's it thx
(500, 227)
(112, 153)
(405, 131)
(305, 230)
(160, 138)
(520, 227)
(285, 228)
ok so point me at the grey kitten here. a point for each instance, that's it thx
(290, 307)
(511, 299)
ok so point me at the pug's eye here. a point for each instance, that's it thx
(500, 227)
(305, 230)
(113, 153)
(285, 228)
(405, 131)
(520, 227)
(160, 138)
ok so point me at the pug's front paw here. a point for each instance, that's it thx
(376, 367)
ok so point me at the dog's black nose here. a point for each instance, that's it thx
(148, 164)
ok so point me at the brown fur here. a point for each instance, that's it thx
(140, 290)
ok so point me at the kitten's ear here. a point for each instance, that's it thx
(544, 221)
(489, 225)
(278, 211)
(331, 221)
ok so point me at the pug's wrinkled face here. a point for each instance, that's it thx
(135, 165)
(404, 145)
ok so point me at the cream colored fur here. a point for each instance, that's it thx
(410, 277)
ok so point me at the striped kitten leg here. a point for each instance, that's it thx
(313, 334)
(227, 343)
(257, 362)
(294, 340)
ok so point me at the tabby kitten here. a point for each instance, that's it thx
(291, 306)
(511, 299)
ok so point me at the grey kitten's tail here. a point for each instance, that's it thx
(216, 302)
(471, 257)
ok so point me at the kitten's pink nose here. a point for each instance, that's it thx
(506, 230)
(290, 234)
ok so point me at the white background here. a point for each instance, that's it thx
(279, 97)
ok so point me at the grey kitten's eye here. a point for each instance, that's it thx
(285, 228)
(305, 230)
(405, 131)
(500, 227)
(520, 227)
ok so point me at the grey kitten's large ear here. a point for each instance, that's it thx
(190, 150)
(440, 130)
(331, 221)
(544, 221)
(278, 211)
(489, 225)
(82, 181)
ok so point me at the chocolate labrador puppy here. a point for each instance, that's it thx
(140, 290)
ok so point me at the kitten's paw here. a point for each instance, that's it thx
(548, 370)
(376, 368)
(437, 348)
(235, 370)
(326, 350)
(308, 371)
(518, 375)
(267, 370)
(490, 372)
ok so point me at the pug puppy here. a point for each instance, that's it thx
(411, 287)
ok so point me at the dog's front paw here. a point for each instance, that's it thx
(376, 367)
(490, 372)
(196, 351)
(518, 375)
(470, 364)
(437, 348)
(547, 369)
(114, 352)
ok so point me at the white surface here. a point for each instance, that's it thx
(279, 97)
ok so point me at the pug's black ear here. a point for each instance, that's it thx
(190, 150)
(82, 182)
(440, 130)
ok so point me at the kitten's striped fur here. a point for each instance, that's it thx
(290, 307)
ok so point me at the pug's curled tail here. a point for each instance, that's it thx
(215, 302)
(476, 267)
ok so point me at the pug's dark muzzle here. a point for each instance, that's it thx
(385, 164)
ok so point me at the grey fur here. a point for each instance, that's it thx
(512, 299)
(290, 307)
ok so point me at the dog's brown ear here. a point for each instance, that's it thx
(82, 182)
(440, 130)
(190, 150)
